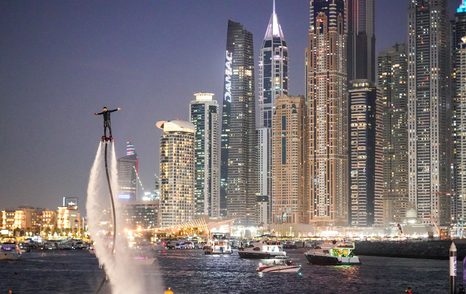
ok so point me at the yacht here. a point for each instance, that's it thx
(9, 251)
(280, 264)
(332, 254)
(218, 247)
(262, 250)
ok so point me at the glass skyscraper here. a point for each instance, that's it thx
(273, 82)
(428, 121)
(239, 186)
(393, 87)
(204, 115)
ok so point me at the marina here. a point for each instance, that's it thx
(191, 271)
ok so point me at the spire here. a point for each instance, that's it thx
(274, 29)
(461, 8)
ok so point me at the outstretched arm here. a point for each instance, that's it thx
(116, 109)
(98, 113)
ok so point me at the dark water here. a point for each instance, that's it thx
(190, 271)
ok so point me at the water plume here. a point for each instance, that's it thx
(125, 273)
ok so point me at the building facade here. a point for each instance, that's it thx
(127, 167)
(459, 115)
(428, 121)
(361, 40)
(177, 172)
(327, 104)
(205, 116)
(273, 82)
(366, 154)
(239, 185)
(393, 87)
(142, 214)
(289, 204)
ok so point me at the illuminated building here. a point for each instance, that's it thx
(327, 103)
(176, 172)
(70, 201)
(273, 82)
(459, 114)
(8, 219)
(428, 97)
(393, 87)
(366, 149)
(205, 116)
(361, 40)
(238, 182)
(288, 149)
(142, 214)
(48, 219)
(68, 218)
(127, 174)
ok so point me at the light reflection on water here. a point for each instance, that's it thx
(190, 271)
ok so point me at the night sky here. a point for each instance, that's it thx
(61, 61)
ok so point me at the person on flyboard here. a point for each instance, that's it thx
(107, 125)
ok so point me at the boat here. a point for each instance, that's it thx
(262, 250)
(9, 251)
(218, 247)
(277, 265)
(143, 259)
(333, 254)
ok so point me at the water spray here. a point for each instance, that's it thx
(108, 139)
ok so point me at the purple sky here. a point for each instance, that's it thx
(60, 61)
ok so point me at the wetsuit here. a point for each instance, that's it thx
(107, 124)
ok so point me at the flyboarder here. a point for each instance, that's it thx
(107, 125)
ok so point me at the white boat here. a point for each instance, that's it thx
(144, 260)
(333, 254)
(262, 250)
(218, 247)
(9, 251)
(279, 265)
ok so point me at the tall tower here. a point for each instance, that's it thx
(127, 174)
(361, 40)
(366, 183)
(459, 114)
(273, 82)
(205, 117)
(428, 98)
(327, 103)
(273, 70)
(393, 87)
(288, 137)
(176, 172)
(239, 184)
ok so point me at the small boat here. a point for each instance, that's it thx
(218, 247)
(279, 265)
(333, 254)
(262, 250)
(144, 260)
(9, 251)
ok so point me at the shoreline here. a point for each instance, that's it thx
(435, 249)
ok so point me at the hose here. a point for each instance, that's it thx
(113, 213)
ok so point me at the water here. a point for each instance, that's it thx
(190, 271)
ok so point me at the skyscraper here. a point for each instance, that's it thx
(393, 87)
(428, 97)
(327, 103)
(459, 114)
(273, 82)
(238, 140)
(273, 70)
(361, 40)
(127, 174)
(176, 172)
(366, 154)
(205, 116)
(288, 137)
